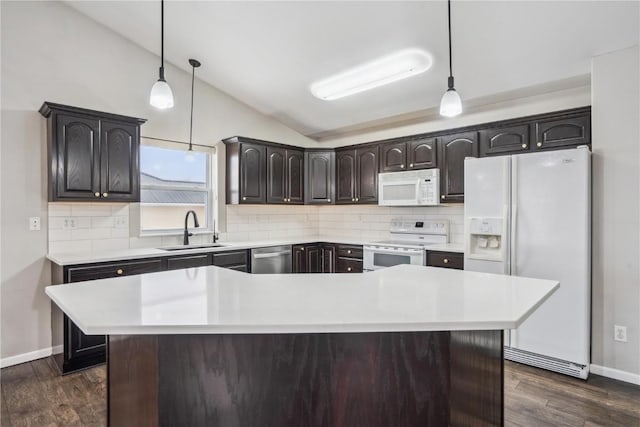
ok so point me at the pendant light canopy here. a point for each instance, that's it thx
(451, 104)
(194, 64)
(161, 95)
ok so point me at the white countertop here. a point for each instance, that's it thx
(139, 253)
(215, 300)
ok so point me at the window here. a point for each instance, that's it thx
(172, 182)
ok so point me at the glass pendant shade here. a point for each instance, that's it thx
(161, 95)
(451, 104)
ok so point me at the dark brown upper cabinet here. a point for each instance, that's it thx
(453, 150)
(422, 153)
(320, 177)
(285, 176)
(92, 155)
(393, 157)
(562, 132)
(357, 175)
(504, 140)
(246, 171)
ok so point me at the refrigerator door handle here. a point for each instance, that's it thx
(513, 260)
(506, 244)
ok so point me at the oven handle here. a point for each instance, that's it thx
(392, 252)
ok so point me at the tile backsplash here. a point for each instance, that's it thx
(92, 227)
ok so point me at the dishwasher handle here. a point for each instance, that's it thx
(271, 254)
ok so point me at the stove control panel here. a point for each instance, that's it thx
(439, 227)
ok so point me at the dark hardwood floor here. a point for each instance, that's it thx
(33, 394)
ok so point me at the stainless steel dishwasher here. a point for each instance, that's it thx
(270, 260)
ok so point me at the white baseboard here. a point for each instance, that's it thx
(616, 374)
(26, 357)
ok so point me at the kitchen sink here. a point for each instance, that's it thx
(185, 247)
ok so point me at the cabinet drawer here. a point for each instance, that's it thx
(104, 271)
(350, 251)
(445, 259)
(231, 258)
(188, 261)
(348, 265)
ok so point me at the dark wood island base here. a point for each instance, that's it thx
(319, 379)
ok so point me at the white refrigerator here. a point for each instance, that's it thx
(530, 215)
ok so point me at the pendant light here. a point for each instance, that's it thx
(194, 64)
(161, 95)
(451, 104)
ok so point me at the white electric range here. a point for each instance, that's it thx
(408, 243)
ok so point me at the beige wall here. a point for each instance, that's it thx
(50, 52)
(616, 209)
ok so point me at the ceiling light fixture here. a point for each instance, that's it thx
(194, 64)
(382, 71)
(451, 104)
(161, 95)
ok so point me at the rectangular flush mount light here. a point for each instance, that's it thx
(382, 71)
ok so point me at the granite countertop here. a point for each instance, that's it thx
(213, 300)
(63, 259)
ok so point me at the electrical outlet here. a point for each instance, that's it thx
(620, 333)
(34, 223)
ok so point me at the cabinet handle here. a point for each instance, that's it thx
(357, 199)
(348, 268)
(446, 261)
(284, 200)
(105, 194)
(329, 200)
(244, 198)
(96, 194)
(524, 145)
(442, 196)
(410, 165)
(348, 251)
(119, 271)
(539, 144)
(401, 166)
(302, 249)
(353, 200)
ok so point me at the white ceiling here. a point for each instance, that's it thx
(266, 54)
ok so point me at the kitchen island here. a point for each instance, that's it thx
(406, 345)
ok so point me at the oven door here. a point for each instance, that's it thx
(376, 258)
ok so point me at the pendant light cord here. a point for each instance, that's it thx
(449, 14)
(162, 34)
(193, 77)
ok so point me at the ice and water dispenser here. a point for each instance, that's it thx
(486, 238)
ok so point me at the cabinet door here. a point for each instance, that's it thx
(299, 259)
(453, 150)
(276, 175)
(83, 350)
(348, 265)
(367, 175)
(119, 164)
(504, 140)
(313, 260)
(421, 154)
(345, 176)
(252, 173)
(328, 258)
(114, 269)
(295, 177)
(320, 177)
(393, 157)
(563, 132)
(188, 261)
(231, 258)
(77, 152)
(445, 260)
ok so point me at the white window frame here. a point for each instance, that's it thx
(211, 183)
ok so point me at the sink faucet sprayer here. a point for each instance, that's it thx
(185, 241)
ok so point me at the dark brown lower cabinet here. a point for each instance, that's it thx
(79, 351)
(328, 257)
(233, 260)
(306, 258)
(349, 259)
(453, 260)
(188, 261)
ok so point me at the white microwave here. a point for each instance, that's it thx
(410, 188)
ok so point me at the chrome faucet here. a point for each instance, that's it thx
(185, 241)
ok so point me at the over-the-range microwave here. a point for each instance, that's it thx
(410, 188)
